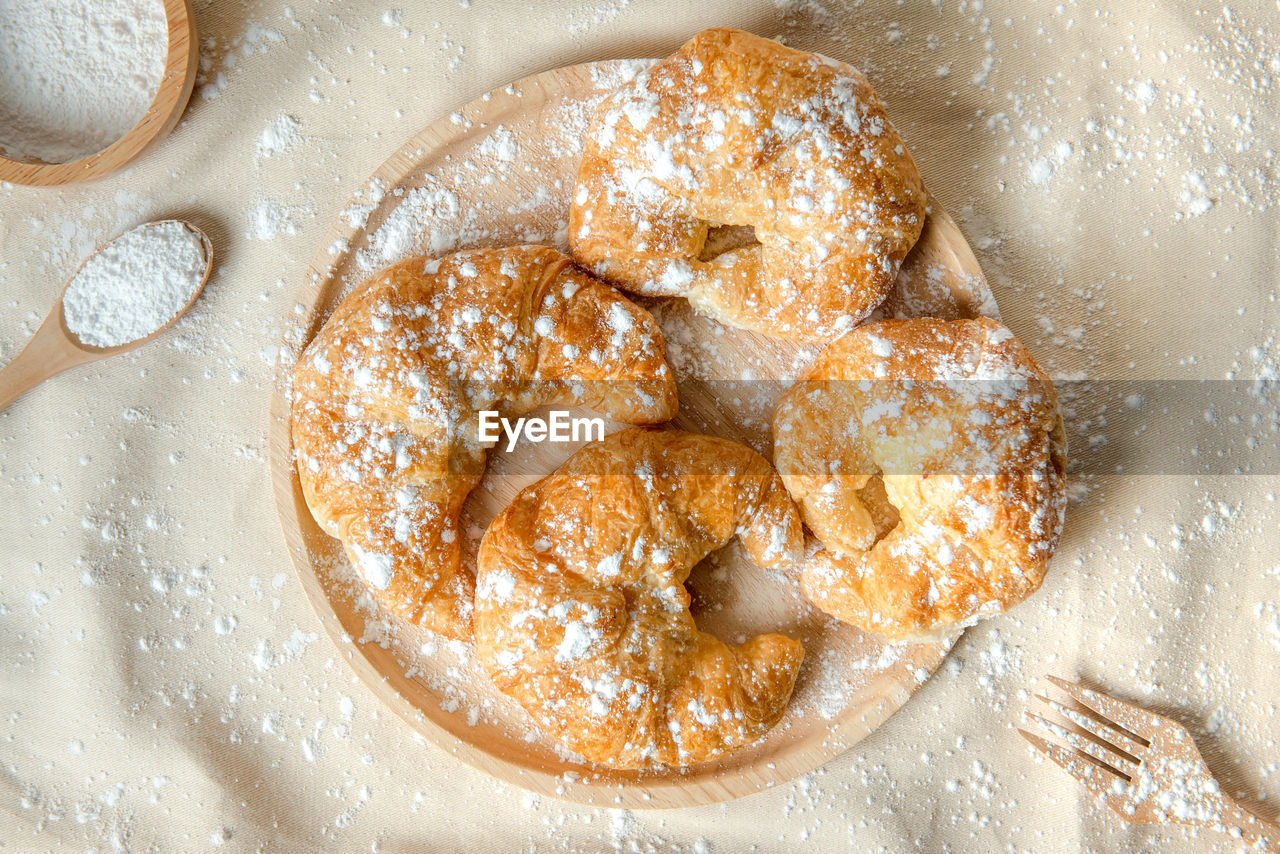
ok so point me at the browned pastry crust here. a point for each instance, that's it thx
(386, 396)
(581, 611)
(739, 130)
(927, 456)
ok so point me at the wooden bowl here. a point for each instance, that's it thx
(500, 171)
(166, 108)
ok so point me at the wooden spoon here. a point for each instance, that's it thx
(55, 348)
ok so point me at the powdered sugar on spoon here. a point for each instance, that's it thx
(125, 294)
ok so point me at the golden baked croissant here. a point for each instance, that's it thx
(583, 617)
(928, 457)
(386, 400)
(739, 130)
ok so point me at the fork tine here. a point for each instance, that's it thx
(1138, 721)
(1101, 782)
(1106, 754)
(1106, 731)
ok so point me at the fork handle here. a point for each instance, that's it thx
(1256, 833)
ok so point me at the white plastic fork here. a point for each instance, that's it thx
(1142, 765)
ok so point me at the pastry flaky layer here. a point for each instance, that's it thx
(738, 130)
(927, 456)
(582, 614)
(385, 403)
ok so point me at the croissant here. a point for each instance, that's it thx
(928, 457)
(738, 130)
(582, 614)
(385, 403)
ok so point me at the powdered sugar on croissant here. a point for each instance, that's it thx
(927, 456)
(385, 402)
(581, 611)
(739, 130)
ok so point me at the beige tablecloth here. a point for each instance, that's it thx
(164, 685)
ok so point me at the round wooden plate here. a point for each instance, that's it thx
(180, 66)
(501, 171)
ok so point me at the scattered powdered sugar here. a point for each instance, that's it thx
(431, 212)
(596, 13)
(1041, 171)
(579, 635)
(76, 75)
(375, 567)
(1177, 790)
(1195, 195)
(366, 200)
(839, 673)
(432, 219)
(279, 136)
(1269, 613)
(265, 655)
(212, 79)
(499, 145)
(1141, 92)
(269, 219)
(135, 285)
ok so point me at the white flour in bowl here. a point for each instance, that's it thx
(136, 284)
(76, 75)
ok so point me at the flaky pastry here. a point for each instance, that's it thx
(927, 456)
(738, 130)
(386, 400)
(582, 614)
